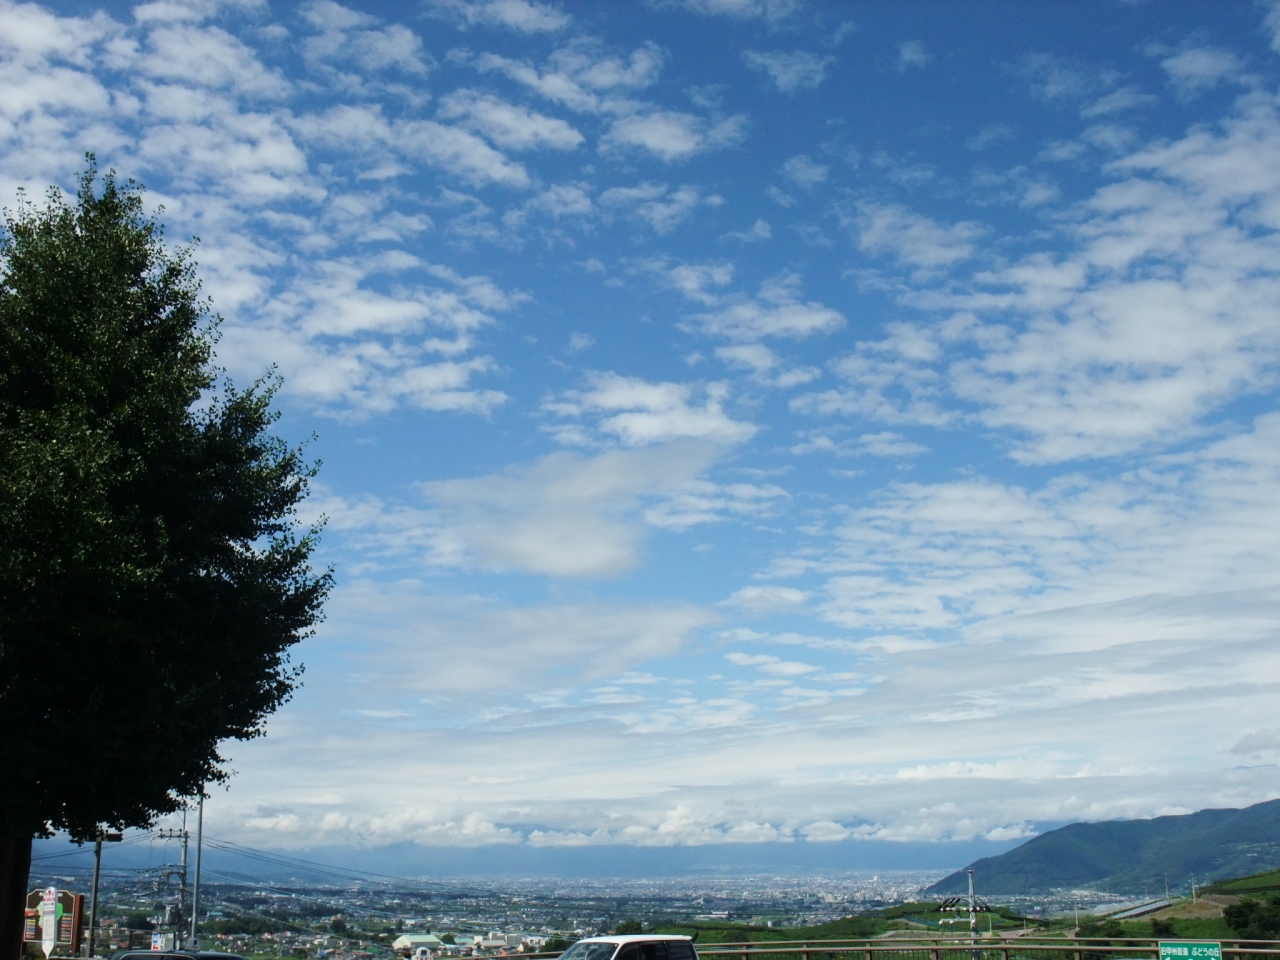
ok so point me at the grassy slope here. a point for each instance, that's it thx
(1189, 928)
(1257, 883)
(921, 917)
(918, 916)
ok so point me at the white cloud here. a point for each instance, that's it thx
(873, 767)
(760, 230)
(511, 649)
(194, 11)
(352, 351)
(883, 444)
(524, 16)
(790, 71)
(582, 77)
(913, 239)
(776, 311)
(1259, 741)
(508, 125)
(208, 57)
(771, 10)
(1053, 78)
(1159, 311)
(656, 204)
(1272, 23)
(888, 444)
(702, 501)
(804, 172)
(1196, 69)
(825, 831)
(566, 515)
(33, 35)
(927, 557)
(696, 281)
(672, 135)
(773, 666)
(1117, 101)
(765, 599)
(639, 412)
(912, 54)
(349, 36)
(990, 135)
(893, 380)
(364, 130)
(560, 202)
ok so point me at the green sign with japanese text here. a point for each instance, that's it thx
(1190, 950)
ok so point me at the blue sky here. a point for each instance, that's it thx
(741, 420)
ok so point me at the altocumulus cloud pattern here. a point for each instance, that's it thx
(743, 420)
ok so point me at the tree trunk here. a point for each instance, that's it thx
(15, 869)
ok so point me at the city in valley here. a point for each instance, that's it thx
(494, 917)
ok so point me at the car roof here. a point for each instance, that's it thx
(634, 938)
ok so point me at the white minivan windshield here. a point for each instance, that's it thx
(589, 951)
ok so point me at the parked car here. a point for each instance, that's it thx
(175, 955)
(632, 947)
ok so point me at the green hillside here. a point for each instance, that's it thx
(1257, 883)
(1133, 856)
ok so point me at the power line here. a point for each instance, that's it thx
(327, 869)
(138, 838)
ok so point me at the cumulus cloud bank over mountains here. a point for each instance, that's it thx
(741, 421)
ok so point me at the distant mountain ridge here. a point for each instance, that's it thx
(1133, 856)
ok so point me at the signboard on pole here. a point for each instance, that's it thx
(162, 941)
(49, 921)
(52, 921)
(1190, 950)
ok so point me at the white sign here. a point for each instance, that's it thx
(49, 922)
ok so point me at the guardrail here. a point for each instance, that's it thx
(958, 948)
(982, 948)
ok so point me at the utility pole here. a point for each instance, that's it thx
(97, 868)
(184, 836)
(973, 911)
(195, 889)
(973, 919)
(182, 890)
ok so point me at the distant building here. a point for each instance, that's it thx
(410, 942)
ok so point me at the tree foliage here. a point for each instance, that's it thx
(1255, 919)
(153, 575)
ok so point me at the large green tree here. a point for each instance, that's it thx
(153, 573)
